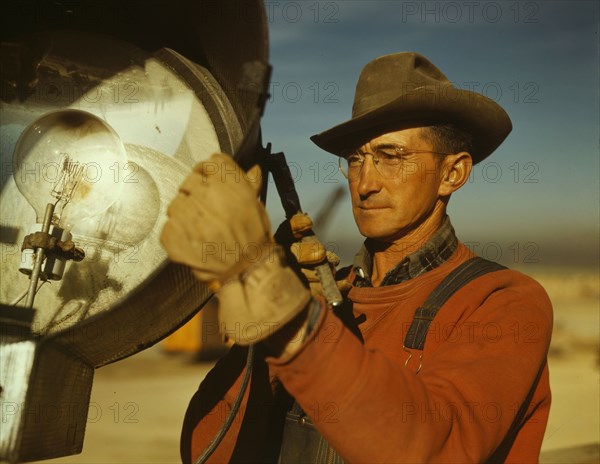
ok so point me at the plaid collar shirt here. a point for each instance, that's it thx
(436, 251)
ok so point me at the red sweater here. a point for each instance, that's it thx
(484, 357)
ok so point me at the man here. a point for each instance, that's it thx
(349, 385)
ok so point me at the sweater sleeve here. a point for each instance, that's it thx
(460, 407)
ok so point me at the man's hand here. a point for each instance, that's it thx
(218, 227)
(307, 254)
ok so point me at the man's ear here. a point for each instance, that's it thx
(456, 170)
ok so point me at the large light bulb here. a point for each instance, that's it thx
(69, 157)
(66, 160)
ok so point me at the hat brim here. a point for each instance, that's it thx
(488, 123)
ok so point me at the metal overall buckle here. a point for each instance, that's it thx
(410, 357)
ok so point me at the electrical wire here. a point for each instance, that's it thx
(234, 409)
(24, 294)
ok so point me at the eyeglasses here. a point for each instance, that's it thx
(387, 159)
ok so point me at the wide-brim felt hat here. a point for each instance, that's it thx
(405, 90)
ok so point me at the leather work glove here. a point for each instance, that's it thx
(219, 228)
(307, 254)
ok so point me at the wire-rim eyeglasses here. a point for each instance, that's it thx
(388, 159)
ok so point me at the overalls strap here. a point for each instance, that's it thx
(459, 277)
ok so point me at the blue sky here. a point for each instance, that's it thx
(536, 199)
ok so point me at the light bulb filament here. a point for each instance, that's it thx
(68, 180)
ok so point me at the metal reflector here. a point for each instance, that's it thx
(110, 105)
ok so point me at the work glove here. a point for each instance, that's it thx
(306, 254)
(218, 227)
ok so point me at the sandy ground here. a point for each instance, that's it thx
(137, 404)
(574, 363)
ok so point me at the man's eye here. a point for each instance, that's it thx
(354, 160)
(388, 157)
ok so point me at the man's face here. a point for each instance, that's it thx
(386, 209)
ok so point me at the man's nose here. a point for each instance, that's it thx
(369, 179)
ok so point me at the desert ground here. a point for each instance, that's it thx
(137, 404)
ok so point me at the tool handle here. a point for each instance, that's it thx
(290, 201)
(330, 289)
